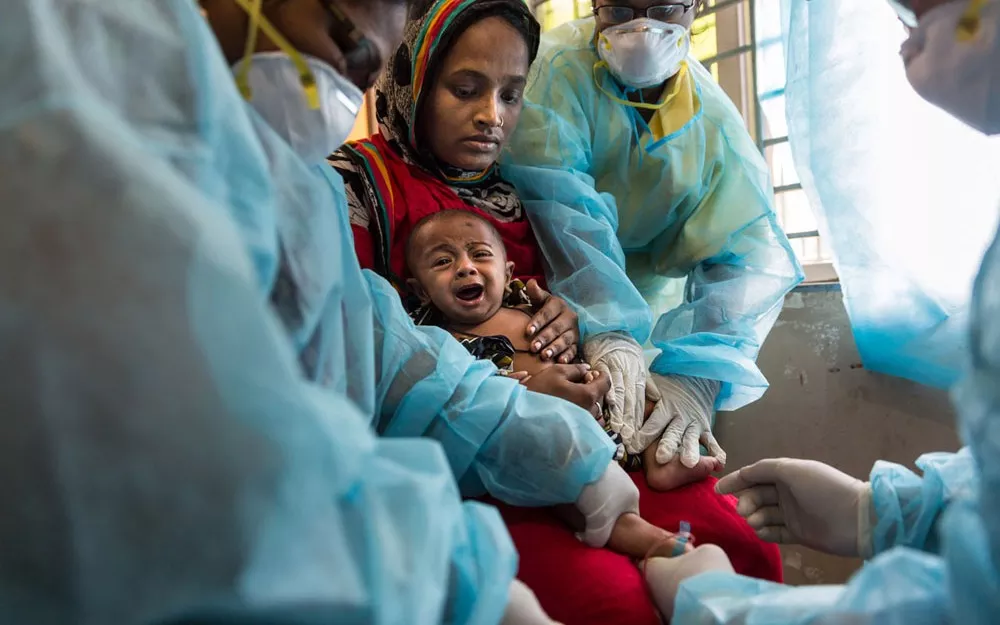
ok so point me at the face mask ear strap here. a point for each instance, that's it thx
(968, 23)
(258, 21)
(637, 105)
(243, 76)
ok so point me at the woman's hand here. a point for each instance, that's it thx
(554, 331)
(569, 382)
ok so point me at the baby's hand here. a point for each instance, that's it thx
(520, 376)
(593, 378)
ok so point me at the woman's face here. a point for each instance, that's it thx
(476, 99)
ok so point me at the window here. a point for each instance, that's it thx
(740, 42)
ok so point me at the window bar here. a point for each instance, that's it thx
(770, 95)
(758, 115)
(773, 141)
(788, 187)
(771, 41)
(722, 56)
(719, 6)
(808, 234)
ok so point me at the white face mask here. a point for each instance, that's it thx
(956, 70)
(277, 95)
(644, 52)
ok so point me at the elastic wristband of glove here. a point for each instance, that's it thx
(866, 523)
(603, 502)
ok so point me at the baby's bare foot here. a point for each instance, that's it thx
(673, 475)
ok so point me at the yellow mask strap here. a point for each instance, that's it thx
(638, 105)
(968, 23)
(258, 21)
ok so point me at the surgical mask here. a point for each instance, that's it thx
(952, 60)
(644, 52)
(276, 93)
(311, 105)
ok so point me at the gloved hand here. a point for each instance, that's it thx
(664, 575)
(603, 501)
(620, 358)
(523, 607)
(683, 416)
(804, 502)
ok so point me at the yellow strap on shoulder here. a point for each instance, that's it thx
(258, 21)
(968, 23)
(674, 86)
(652, 106)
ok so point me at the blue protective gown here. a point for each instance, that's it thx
(164, 455)
(523, 448)
(625, 211)
(937, 537)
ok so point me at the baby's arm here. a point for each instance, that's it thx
(589, 378)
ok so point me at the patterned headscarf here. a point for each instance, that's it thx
(433, 28)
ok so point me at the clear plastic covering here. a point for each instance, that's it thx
(905, 194)
(674, 217)
(164, 454)
(938, 535)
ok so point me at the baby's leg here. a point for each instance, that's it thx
(663, 477)
(637, 538)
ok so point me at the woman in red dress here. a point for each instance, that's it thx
(446, 104)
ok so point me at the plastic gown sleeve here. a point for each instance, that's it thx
(576, 226)
(903, 584)
(736, 277)
(736, 282)
(524, 448)
(907, 506)
(150, 471)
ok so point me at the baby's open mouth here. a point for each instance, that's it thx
(470, 293)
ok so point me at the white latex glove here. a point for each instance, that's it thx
(682, 419)
(804, 502)
(523, 607)
(620, 358)
(664, 575)
(603, 501)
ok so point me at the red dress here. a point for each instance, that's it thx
(576, 584)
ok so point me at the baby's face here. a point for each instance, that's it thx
(460, 266)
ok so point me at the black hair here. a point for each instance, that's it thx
(449, 214)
